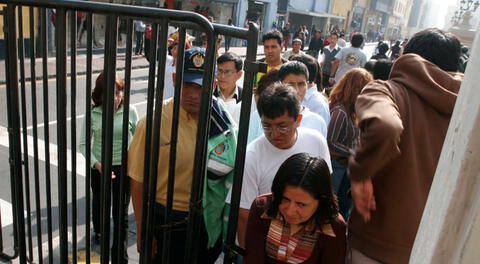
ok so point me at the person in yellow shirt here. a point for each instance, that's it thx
(185, 156)
(272, 47)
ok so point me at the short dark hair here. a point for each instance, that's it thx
(266, 80)
(312, 175)
(342, 35)
(437, 46)
(381, 69)
(383, 48)
(230, 56)
(277, 99)
(334, 34)
(292, 67)
(311, 64)
(369, 65)
(273, 34)
(97, 93)
(357, 40)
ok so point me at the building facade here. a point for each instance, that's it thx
(397, 22)
(376, 19)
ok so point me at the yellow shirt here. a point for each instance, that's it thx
(260, 74)
(187, 132)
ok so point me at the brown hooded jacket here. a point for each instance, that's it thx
(403, 124)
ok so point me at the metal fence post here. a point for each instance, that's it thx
(14, 130)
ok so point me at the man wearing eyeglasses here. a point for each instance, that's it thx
(229, 71)
(296, 74)
(279, 107)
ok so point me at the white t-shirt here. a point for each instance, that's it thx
(263, 160)
(350, 58)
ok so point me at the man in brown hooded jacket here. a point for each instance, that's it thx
(403, 124)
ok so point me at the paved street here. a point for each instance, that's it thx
(138, 99)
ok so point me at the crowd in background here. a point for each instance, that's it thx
(336, 144)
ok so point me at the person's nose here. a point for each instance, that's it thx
(275, 132)
(291, 209)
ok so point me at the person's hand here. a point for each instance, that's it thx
(98, 167)
(331, 80)
(362, 194)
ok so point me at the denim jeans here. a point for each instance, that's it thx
(341, 186)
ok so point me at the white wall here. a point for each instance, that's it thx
(450, 229)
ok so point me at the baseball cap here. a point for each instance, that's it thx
(194, 69)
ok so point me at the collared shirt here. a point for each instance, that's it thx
(170, 70)
(330, 49)
(96, 133)
(313, 121)
(328, 57)
(235, 95)
(187, 131)
(317, 103)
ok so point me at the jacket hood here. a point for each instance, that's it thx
(434, 85)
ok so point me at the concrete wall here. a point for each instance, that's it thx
(450, 228)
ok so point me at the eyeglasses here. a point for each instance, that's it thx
(226, 72)
(280, 129)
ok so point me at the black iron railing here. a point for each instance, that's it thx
(65, 101)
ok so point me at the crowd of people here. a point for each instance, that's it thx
(340, 158)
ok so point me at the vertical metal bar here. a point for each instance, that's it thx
(24, 131)
(242, 143)
(195, 214)
(88, 136)
(125, 128)
(146, 246)
(35, 135)
(107, 131)
(73, 97)
(173, 145)
(14, 130)
(44, 43)
(61, 73)
(152, 183)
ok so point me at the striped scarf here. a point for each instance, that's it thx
(290, 249)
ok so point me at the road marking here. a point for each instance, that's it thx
(41, 152)
(54, 122)
(7, 213)
(45, 253)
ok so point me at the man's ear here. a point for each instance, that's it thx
(239, 74)
(299, 119)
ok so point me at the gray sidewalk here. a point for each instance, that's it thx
(138, 62)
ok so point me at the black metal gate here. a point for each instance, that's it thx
(63, 102)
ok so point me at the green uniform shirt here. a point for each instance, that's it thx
(96, 133)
